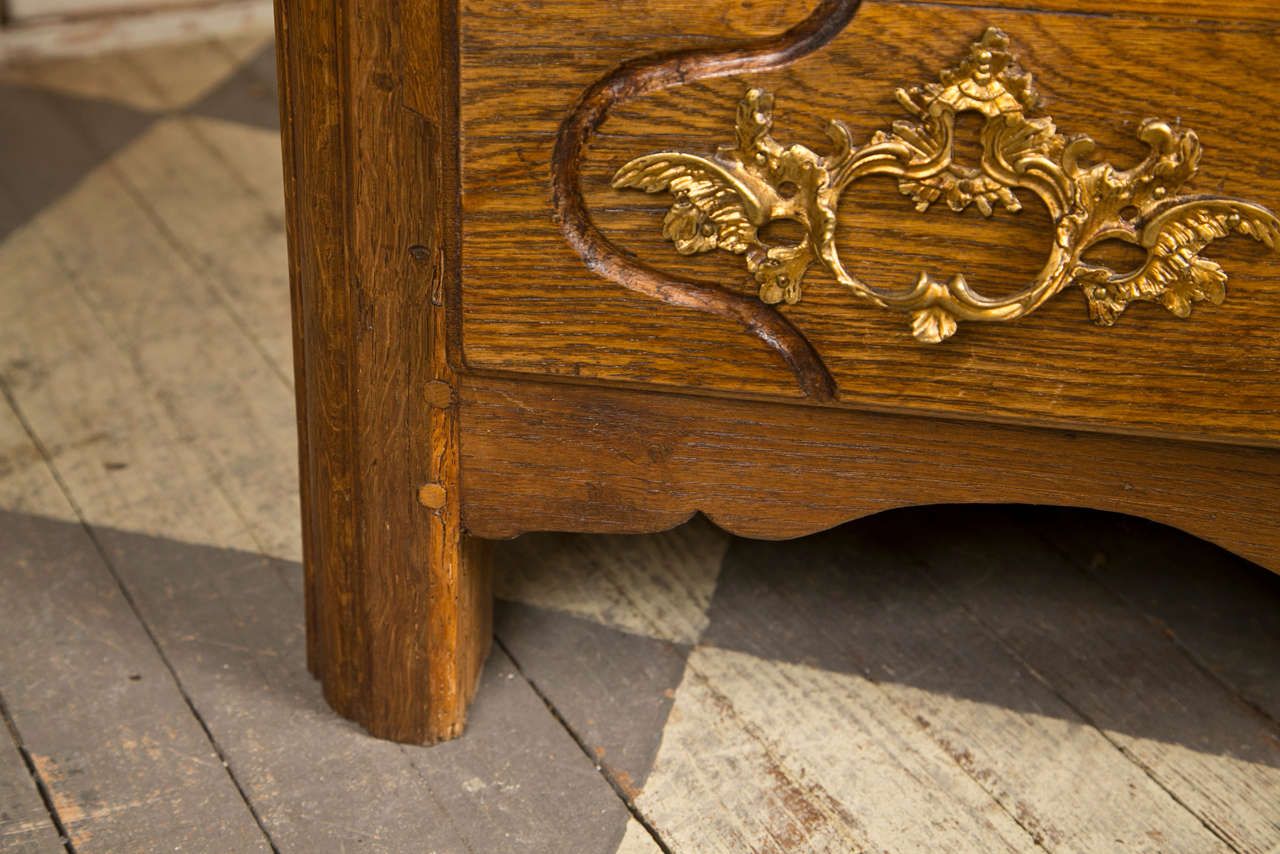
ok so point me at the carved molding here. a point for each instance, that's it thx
(723, 201)
(639, 77)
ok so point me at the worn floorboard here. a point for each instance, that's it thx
(25, 824)
(231, 623)
(97, 417)
(613, 688)
(127, 766)
(178, 351)
(26, 486)
(637, 840)
(1222, 609)
(1215, 754)
(853, 605)
(212, 176)
(848, 773)
(659, 586)
(111, 737)
(161, 346)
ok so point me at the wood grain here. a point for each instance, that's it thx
(25, 826)
(1222, 610)
(25, 485)
(127, 766)
(399, 601)
(426, 253)
(855, 600)
(569, 457)
(231, 622)
(1125, 677)
(661, 71)
(658, 586)
(72, 353)
(1207, 377)
(735, 718)
(1240, 12)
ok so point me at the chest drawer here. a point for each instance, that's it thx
(494, 335)
(1158, 315)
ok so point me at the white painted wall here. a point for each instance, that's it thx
(98, 26)
(21, 11)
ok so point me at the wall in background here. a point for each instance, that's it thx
(40, 28)
(20, 11)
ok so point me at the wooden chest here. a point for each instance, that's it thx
(599, 266)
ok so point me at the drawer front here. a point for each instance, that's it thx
(1077, 342)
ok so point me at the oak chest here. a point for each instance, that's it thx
(598, 266)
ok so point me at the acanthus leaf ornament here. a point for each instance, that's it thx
(723, 201)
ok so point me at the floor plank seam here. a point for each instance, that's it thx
(208, 144)
(45, 796)
(1142, 766)
(179, 248)
(1172, 636)
(161, 400)
(618, 790)
(184, 114)
(1080, 712)
(407, 752)
(1037, 837)
(127, 596)
(203, 272)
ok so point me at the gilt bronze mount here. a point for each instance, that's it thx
(723, 201)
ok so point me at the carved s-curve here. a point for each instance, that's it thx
(660, 71)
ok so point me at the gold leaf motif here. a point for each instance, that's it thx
(724, 200)
(932, 325)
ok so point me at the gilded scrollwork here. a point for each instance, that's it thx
(725, 200)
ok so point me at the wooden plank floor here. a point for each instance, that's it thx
(939, 679)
